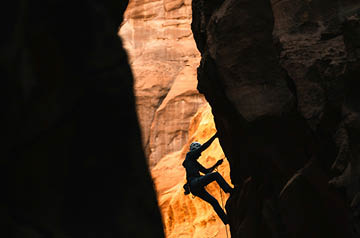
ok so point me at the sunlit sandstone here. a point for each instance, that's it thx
(185, 216)
(164, 58)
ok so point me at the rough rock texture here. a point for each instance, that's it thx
(169, 129)
(185, 216)
(281, 77)
(164, 59)
(72, 164)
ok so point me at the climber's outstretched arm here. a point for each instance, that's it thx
(208, 143)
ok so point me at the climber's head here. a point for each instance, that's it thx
(194, 146)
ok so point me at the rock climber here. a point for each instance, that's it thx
(196, 183)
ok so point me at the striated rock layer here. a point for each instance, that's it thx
(184, 216)
(72, 164)
(281, 77)
(164, 59)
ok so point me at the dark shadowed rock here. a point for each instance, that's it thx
(281, 79)
(310, 209)
(72, 161)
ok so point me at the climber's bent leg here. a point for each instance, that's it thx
(208, 178)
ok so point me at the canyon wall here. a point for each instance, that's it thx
(72, 163)
(188, 216)
(281, 78)
(164, 59)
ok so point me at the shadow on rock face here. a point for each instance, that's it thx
(280, 77)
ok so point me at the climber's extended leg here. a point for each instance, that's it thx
(204, 195)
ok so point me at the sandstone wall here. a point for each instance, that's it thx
(184, 216)
(281, 78)
(164, 59)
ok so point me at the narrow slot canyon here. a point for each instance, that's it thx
(102, 99)
(276, 75)
(172, 113)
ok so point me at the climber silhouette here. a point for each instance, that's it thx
(196, 183)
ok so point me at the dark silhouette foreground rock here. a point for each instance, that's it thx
(72, 163)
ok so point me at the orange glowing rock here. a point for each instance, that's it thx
(184, 216)
(164, 58)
